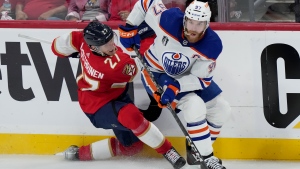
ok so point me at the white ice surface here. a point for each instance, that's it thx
(57, 162)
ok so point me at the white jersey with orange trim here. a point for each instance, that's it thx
(191, 64)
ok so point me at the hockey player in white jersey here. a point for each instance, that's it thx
(182, 59)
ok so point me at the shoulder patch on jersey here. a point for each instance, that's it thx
(165, 40)
(129, 70)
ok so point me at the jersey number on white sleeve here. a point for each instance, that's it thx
(159, 8)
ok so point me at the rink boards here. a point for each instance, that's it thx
(258, 71)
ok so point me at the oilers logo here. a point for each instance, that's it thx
(175, 63)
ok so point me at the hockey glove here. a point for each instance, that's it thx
(157, 97)
(153, 111)
(129, 36)
(170, 93)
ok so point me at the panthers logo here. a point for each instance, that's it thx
(129, 70)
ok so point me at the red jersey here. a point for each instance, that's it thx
(103, 78)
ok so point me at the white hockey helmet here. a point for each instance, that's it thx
(198, 11)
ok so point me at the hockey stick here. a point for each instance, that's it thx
(32, 38)
(73, 55)
(197, 155)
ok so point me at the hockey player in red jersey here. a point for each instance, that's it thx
(182, 60)
(102, 94)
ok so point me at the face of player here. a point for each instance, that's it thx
(109, 48)
(194, 29)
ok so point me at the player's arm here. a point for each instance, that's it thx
(144, 10)
(202, 71)
(200, 77)
(67, 45)
(148, 10)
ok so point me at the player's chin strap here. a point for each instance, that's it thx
(197, 155)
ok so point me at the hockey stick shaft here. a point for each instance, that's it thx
(33, 38)
(160, 90)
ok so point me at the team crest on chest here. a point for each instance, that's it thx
(129, 70)
(175, 63)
